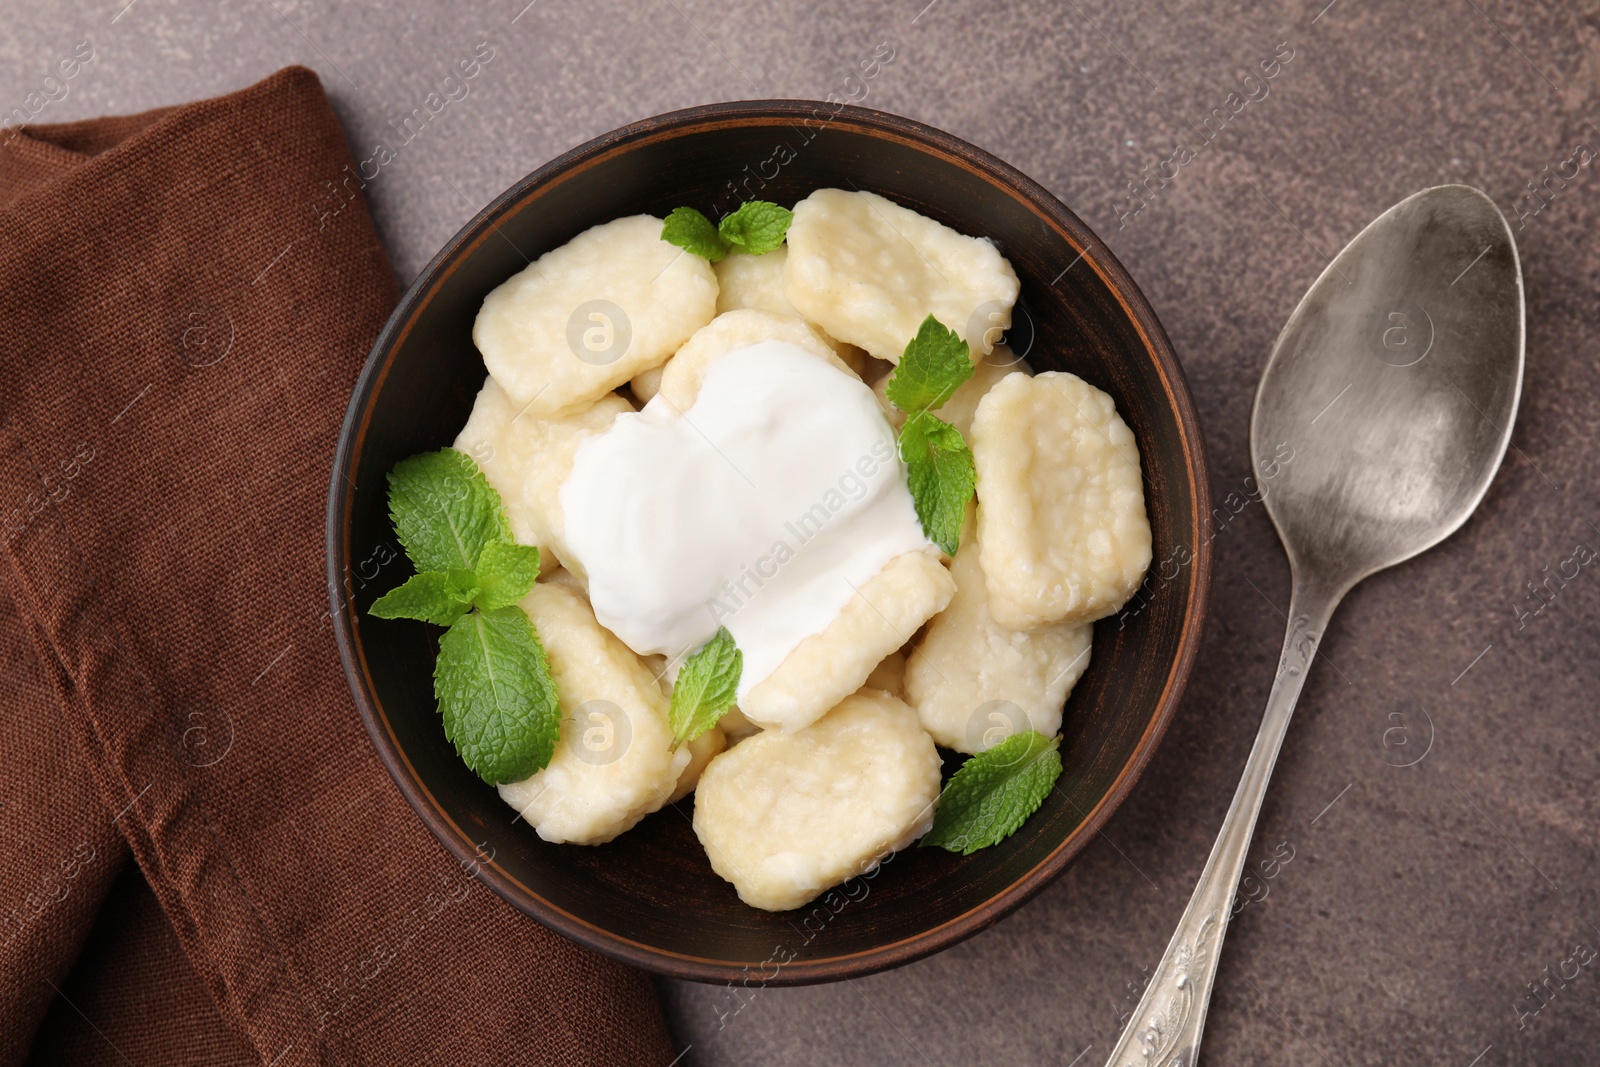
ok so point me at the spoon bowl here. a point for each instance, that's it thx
(1390, 387)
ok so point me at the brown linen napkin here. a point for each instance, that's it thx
(147, 1005)
(181, 323)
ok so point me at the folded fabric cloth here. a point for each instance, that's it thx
(181, 323)
(132, 996)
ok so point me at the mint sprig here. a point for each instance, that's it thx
(755, 227)
(505, 573)
(496, 695)
(492, 679)
(935, 364)
(693, 232)
(706, 687)
(939, 466)
(439, 597)
(942, 476)
(994, 792)
(444, 510)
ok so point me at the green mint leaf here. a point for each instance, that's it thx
(994, 792)
(941, 474)
(506, 572)
(496, 695)
(444, 510)
(933, 366)
(706, 687)
(693, 232)
(757, 227)
(439, 597)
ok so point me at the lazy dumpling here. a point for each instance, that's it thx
(973, 682)
(825, 667)
(868, 271)
(1061, 512)
(492, 438)
(682, 374)
(584, 318)
(785, 816)
(702, 750)
(615, 762)
(553, 442)
(746, 281)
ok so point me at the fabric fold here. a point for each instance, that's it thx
(180, 329)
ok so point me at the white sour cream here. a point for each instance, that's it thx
(763, 508)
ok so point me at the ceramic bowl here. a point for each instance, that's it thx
(650, 897)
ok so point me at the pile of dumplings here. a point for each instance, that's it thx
(830, 763)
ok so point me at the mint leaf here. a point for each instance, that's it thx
(491, 678)
(693, 232)
(757, 227)
(444, 510)
(439, 597)
(994, 792)
(706, 687)
(496, 695)
(941, 474)
(933, 366)
(506, 572)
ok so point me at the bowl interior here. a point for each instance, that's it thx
(650, 897)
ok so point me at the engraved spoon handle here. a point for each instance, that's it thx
(1165, 1029)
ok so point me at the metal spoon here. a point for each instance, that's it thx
(1384, 412)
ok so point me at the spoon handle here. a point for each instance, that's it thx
(1165, 1029)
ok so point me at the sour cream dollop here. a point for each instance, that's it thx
(762, 508)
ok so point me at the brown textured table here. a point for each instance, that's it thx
(1422, 899)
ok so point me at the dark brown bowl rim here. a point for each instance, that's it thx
(1092, 252)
